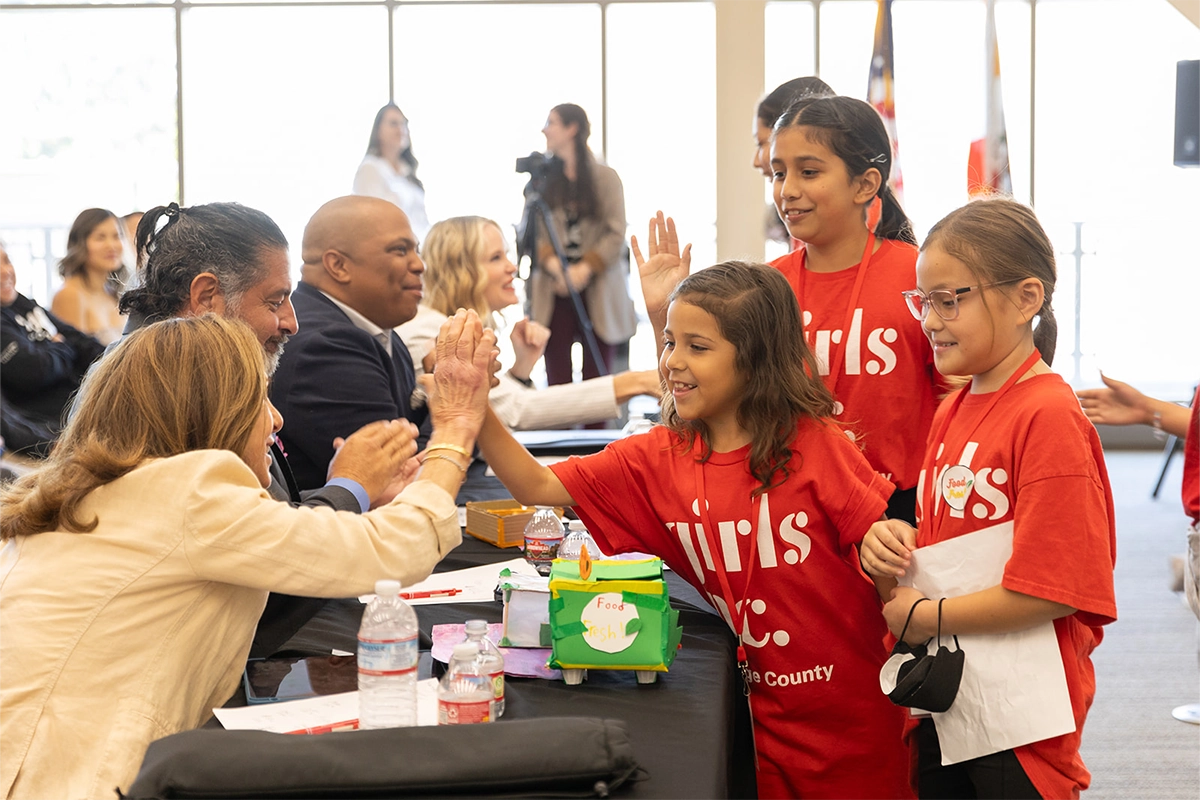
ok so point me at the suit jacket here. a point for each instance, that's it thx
(333, 379)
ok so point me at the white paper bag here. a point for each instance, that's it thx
(1014, 688)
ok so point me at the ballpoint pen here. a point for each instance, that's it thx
(431, 593)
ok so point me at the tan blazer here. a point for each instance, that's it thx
(136, 630)
(603, 238)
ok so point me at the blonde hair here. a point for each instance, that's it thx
(453, 252)
(173, 387)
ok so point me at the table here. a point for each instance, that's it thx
(690, 730)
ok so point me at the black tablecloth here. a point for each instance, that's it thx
(690, 729)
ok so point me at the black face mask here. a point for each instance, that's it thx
(915, 678)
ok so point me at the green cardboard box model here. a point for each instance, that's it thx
(620, 617)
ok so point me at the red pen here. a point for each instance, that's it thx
(348, 725)
(431, 593)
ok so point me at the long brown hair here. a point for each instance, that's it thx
(582, 191)
(179, 385)
(756, 311)
(75, 260)
(405, 155)
(1001, 241)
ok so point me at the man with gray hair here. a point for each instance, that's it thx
(227, 259)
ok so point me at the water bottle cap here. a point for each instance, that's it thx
(465, 650)
(476, 626)
(576, 525)
(387, 587)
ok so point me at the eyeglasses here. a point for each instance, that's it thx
(944, 302)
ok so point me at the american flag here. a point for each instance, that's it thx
(880, 89)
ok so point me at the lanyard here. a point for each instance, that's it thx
(834, 355)
(737, 611)
(932, 472)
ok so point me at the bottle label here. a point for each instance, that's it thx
(387, 656)
(452, 713)
(497, 684)
(542, 549)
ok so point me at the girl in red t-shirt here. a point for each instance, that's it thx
(1013, 455)
(831, 158)
(751, 494)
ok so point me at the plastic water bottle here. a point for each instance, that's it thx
(387, 661)
(492, 660)
(577, 537)
(465, 692)
(543, 533)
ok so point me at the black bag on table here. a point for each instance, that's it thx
(549, 757)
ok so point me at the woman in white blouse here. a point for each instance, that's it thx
(389, 169)
(467, 266)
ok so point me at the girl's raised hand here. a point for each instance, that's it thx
(887, 548)
(665, 267)
(529, 340)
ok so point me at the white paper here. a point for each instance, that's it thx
(1014, 688)
(474, 584)
(317, 714)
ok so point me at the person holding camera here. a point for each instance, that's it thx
(587, 203)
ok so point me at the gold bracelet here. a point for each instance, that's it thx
(462, 451)
(428, 456)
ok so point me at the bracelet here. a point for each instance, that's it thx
(428, 456)
(462, 451)
(526, 382)
(1156, 423)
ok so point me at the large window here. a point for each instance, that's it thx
(278, 97)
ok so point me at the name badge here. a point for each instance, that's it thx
(956, 484)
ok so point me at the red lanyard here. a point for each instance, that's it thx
(953, 452)
(834, 355)
(737, 611)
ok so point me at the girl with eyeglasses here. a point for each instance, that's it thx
(1011, 458)
(830, 159)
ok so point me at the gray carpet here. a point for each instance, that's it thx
(1147, 664)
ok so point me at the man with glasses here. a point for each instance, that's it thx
(227, 259)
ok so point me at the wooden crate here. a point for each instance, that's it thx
(500, 522)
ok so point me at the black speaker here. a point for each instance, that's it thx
(1187, 114)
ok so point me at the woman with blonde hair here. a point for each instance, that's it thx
(94, 274)
(467, 266)
(136, 562)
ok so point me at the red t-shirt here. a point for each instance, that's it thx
(813, 630)
(1038, 462)
(886, 382)
(1191, 463)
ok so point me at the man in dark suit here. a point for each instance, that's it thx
(227, 259)
(346, 367)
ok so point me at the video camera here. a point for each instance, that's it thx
(540, 165)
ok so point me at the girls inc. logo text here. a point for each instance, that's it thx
(877, 341)
(787, 540)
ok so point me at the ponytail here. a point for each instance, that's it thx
(855, 132)
(1045, 335)
(893, 222)
(1001, 241)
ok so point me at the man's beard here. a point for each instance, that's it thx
(272, 359)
